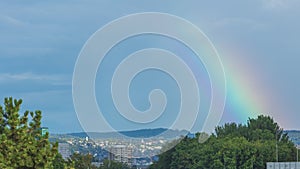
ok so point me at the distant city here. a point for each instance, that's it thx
(135, 148)
(140, 151)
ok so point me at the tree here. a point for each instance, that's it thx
(82, 161)
(22, 146)
(59, 162)
(233, 146)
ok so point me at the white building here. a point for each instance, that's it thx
(121, 153)
(64, 150)
(283, 165)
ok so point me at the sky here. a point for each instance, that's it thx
(257, 41)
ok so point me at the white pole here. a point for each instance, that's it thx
(276, 147)
(297, 152)
(276, 152)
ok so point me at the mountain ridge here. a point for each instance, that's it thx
(141, 133)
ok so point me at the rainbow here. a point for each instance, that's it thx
(246, 97)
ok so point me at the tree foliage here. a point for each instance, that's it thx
(233, 146)
(22, 145)
(84, 161)
(81, 161)
(59, 162)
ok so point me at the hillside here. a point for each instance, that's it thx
(294, 136)
(147, 133)
(143, 133)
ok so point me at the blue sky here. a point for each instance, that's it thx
(41, 40)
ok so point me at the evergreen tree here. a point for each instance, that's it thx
(82, 161)
(22, 146)
(59, 162)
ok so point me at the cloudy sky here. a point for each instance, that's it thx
(258, 43)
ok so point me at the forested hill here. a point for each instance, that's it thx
(143, 133)
(294, 136)
(146, 133)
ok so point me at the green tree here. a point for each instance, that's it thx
(81, 161)
(264, 128)
(22, 145)
(233, 146)
(59, 162)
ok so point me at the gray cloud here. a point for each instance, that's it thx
(279, 4)
(53, 79)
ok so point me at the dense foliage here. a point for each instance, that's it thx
(22, 146)
(60, 163)
(84, 161)
(232, 146)
(80, 161)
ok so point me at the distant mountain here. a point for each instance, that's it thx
(294, 135)
(143, 133)
(147, 133)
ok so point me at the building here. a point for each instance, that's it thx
(121, 153)
(283, 165)
(64, 150)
